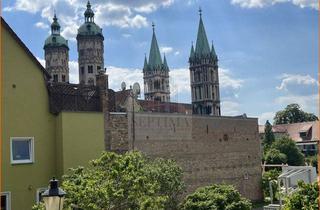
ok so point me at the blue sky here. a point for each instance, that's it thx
(267, 49)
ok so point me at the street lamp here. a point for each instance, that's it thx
(54, 196)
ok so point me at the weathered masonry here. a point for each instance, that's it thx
(209, 149)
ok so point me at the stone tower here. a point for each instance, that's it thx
(56, 53)
(156, 74)
(204, 76)
(90, 49)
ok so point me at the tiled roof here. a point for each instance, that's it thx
(294, 130)
(73, 97)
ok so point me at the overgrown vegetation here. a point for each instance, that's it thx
(213, 197)
(306, 197)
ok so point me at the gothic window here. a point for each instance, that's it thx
(63, 78)
(82, 69)
(55, 77)
(90, 69)
(98, 68)
(200, 95)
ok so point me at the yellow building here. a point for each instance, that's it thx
(39, 140)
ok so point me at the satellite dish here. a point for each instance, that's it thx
(123, 86)
(136, 89)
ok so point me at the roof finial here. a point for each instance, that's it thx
(88, 4)
(153, 26)
(200, 11)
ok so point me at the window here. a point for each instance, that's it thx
(55, 77)
(91, 81)
(303, 134)
(21, 150)
(5, 201)
(39, 194)
(82, 70)
(98, 67)
(63, 78)
(90, 69)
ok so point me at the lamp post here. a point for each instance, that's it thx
(54, 196)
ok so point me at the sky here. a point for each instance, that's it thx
(267, 49)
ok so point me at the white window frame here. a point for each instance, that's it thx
(42, 189)
(31, 148)
(8, 196)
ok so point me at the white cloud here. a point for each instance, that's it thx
(118, 13)
(177, 53)
(263, 3)
(266, 116)
(295, 79)
(126, 35)
(41, 25)
(42, 61)
(73, 72)
(226, 80)
(308, 103)
(230, 108)
(166, 49)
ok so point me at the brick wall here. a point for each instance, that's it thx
(209, 149)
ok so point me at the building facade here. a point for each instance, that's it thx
(37, 143)
(56, 53)
(204, 78)
(90, 49)
(156, 74)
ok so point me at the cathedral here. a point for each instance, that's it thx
(203, 61)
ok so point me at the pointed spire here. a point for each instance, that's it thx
(192, 51)
(145, 66)
(202, 45)
(165, 64)
(155, 60)
(213, 52)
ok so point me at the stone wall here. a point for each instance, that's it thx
(209, 149)
(119, 132)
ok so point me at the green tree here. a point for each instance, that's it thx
(306, 197)
(288, 147)
(293, 114)
(224, 197)
(268, 135)
(271, 175)
(129, 181)
(274, 156)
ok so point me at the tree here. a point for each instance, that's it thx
(306, 197)
(293, 114)
(216, 197)
(274, 156)
(128, 181)
(271, 175)
(288, 147)
(268, 135)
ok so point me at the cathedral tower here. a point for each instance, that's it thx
(56, 53)
(90, 49)
(204, 76)
(156, 74)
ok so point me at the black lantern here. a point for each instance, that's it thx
(54, 196)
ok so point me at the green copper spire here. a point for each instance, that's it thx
(202, 45)
(165, 64)
(213, 52)
(55, 26)
(145, 66)
(89, 14)
(192, 51)
(154, 56)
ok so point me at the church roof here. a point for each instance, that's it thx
(202, 45)
(89, 28)
(55, 39)
(155, 60)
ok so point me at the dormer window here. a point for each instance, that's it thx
(303, 134)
